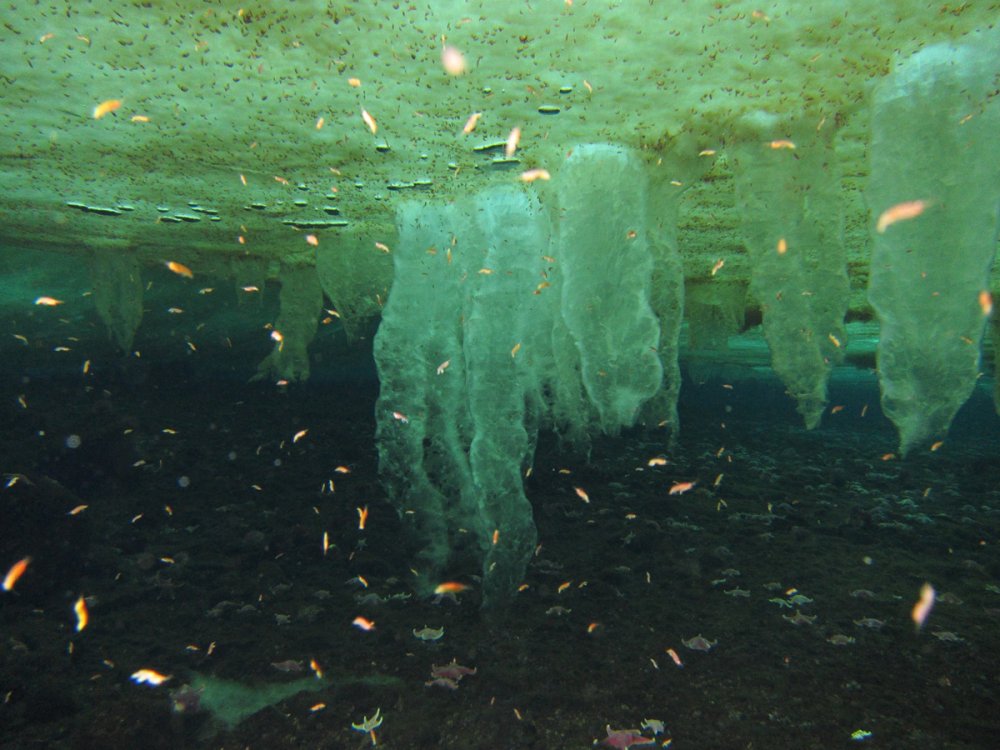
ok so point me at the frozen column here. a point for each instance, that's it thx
(787, 189)
(934, 192)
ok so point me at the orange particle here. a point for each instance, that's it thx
(782, 143)
(582, 494)
(563, 587)
(677, 659)
(82, 616)
(140, 118)
(496, 535)
(657, 461)
(923, 606)
(342, 470)
(363, 623)
(834, 340)
(450, 587)
(452, 60)
(382, 246)
(900, 212)
(782, 246)
(362, 517)
(354, 82)
(48, 301)
(836, 409)
(986, 302)
(180, 269)
(15, 572)
(104, 107)
(718, 265)
(888, 456)
(45, 37)
(369, 121)
(593, 626)
(535, 174)
(314, 665)
(312, 239)
(679, 488)
(515, 350)
(937, 445)
(512, 140)
(320, 122)
(243, 180)
(299, 435)
(471, 123)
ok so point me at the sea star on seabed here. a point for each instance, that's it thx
(625, 738)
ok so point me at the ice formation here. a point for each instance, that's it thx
(500, 320)
(787, 190)
(935, 126)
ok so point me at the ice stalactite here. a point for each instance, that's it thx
(355, 274)
(458, 395)
(499, 323)
(787, 188)
(118, 294)
(671, 174)
(301, 301)
(934, 193)
(603, 249)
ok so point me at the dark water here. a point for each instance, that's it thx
(233, 563)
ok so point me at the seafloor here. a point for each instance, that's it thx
(223, 578)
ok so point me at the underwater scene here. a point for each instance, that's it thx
(499, 375)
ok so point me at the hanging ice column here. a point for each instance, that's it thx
(604, 254)
(787, 189)
(934, 193)
(492, 330)
(460, 352)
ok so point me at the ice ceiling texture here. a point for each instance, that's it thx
(814, 162)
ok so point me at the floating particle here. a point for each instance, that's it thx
(515, 350)
(679, 488)
(363, 623)
(73, 442)
(45, 37)
(362, 517)
(471, 123)
(900, 212)
(451, 587)
(922, 608)
(109, 105)
(383, 247)
(512, 140)
(320, 123)
(718, 265)
(82, 616)
(369, 121)
(452, 60)
(15, 572)
(535, 174)
(48, 301)
(657, 461)
(986, 302)
(354, 82)
(312, 240)
(443, 366)
(140, 118)
(180, 269)
(782, 246)
(149, 677)
(782, 143)
(299, 435)
(582, 494)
